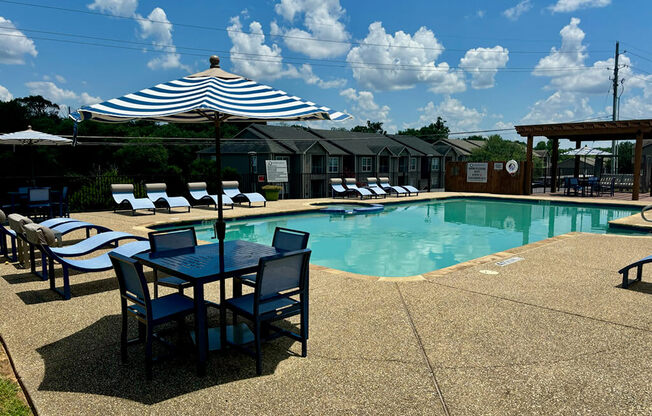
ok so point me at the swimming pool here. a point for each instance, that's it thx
(414, 238)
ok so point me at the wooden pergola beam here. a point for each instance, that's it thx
(638, 156)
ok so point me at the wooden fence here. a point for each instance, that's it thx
(498, 181)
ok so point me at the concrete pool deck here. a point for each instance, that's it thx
(552, 333)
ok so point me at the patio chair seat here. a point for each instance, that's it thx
(165, 306)
(200, 195)
(123, 194)
(245, 304)
(173, 281)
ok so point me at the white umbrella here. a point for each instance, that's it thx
(30, 138)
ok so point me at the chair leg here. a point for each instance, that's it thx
(304, 330)
(155, 284)
(148, 352)
(259, 358)
(123, 336)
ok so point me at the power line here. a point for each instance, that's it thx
(342, 64)
(637, 55)
(139, 18)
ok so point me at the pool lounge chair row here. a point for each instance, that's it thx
(27, 237)
(123, 195)
(376, 188)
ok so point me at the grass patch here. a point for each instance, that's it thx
(10, 403)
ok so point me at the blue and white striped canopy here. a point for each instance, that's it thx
(195, 99)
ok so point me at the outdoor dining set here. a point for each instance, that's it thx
(277, 275)
(43, 201)
(607, 184)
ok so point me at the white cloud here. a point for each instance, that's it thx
(309, 77)
(402, 61)
(636, 107)
(158, 28)
(365, 106)
(250, 55)
(513, 13)
(458, 117)
(115, 7)
(60, 78)
(15, 45)
(565, 6)
(59, 95)
(504, 125)
(483, 64)
(567, 70)
(321, 18)
(480, 13)
(561, 106)
(5, 95)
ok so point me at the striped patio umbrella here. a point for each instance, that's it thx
(214, 96)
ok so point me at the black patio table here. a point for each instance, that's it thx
(200, 265)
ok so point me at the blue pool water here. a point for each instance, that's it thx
(410, 239)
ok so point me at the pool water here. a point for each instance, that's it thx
(410, 239)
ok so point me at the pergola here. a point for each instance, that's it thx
(638, 130)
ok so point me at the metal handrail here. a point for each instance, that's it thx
(646, 208)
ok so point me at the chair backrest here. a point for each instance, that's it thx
(383, 181)
(156, 190)
(197, 186)
(17, 221)
(281, 273)
(371, 182)
(39, 194)
(350, 183)
(573, 182)
(165, 240)
(131, 280)
(336, 181)
(64, 194)
(290, 240)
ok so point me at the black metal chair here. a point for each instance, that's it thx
(166, 240)
(135, 301)
(280, 280)
(284, 239)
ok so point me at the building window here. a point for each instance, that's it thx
(384, 164)
(401, 164)
(317, 164)
(333, 164)
(434, 164)
(413, 164)
(365, 164)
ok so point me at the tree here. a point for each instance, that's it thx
(430, 133)
(371, 127)
(625, 157)
(498, 149)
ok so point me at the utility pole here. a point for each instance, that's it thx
(614, 112)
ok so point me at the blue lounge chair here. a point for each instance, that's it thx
(231, 190)
(46, 236)
(123, 195)
(201, 196)
(8, 232)
(411, 189)
(337, 189)
(398, 191)
(96, 264)
(353, 188)
(639, 270)
(157, 194)
(372, 185)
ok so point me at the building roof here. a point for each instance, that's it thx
(420, 145)
(461, 146)
(297, 139)
(541, 153)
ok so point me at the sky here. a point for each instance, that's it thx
(481, 65)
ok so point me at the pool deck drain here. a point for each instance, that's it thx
(543, 336)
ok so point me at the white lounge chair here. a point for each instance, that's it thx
(372, 185)
(398, 191)
(201, 196)
(231, 190)
(337, 189)
(411, 189)
(123, 194)
(157, 194)
(351, 186)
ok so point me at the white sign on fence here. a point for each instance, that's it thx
(476, 172)
(498, 166)
(277, 171)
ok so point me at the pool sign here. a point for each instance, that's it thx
(277, 170)
(498, 166)
(511, 167)
(476, 172)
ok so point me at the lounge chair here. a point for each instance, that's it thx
(123, 194)
(398, 191)
(8, 232)
(43, 238)
(337, 189)
(231, 190)
(201, 196)
(83, 247)
(351, 186)
(639, 270)
(411, 189)
(157, 194)
(372, 185)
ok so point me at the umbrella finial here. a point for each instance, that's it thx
(29, 127)
(215, 61)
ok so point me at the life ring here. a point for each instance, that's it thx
(509, 224)
(511, 167)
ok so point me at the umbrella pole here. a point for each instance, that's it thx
(220, 228)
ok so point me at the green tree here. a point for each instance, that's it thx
(371, 127)
(625, 157)
(497, 148)
(431, 133)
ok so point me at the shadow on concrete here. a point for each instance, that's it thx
(640, 286)
(91, 287)
(88, 362)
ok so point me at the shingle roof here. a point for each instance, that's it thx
(412, 142)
